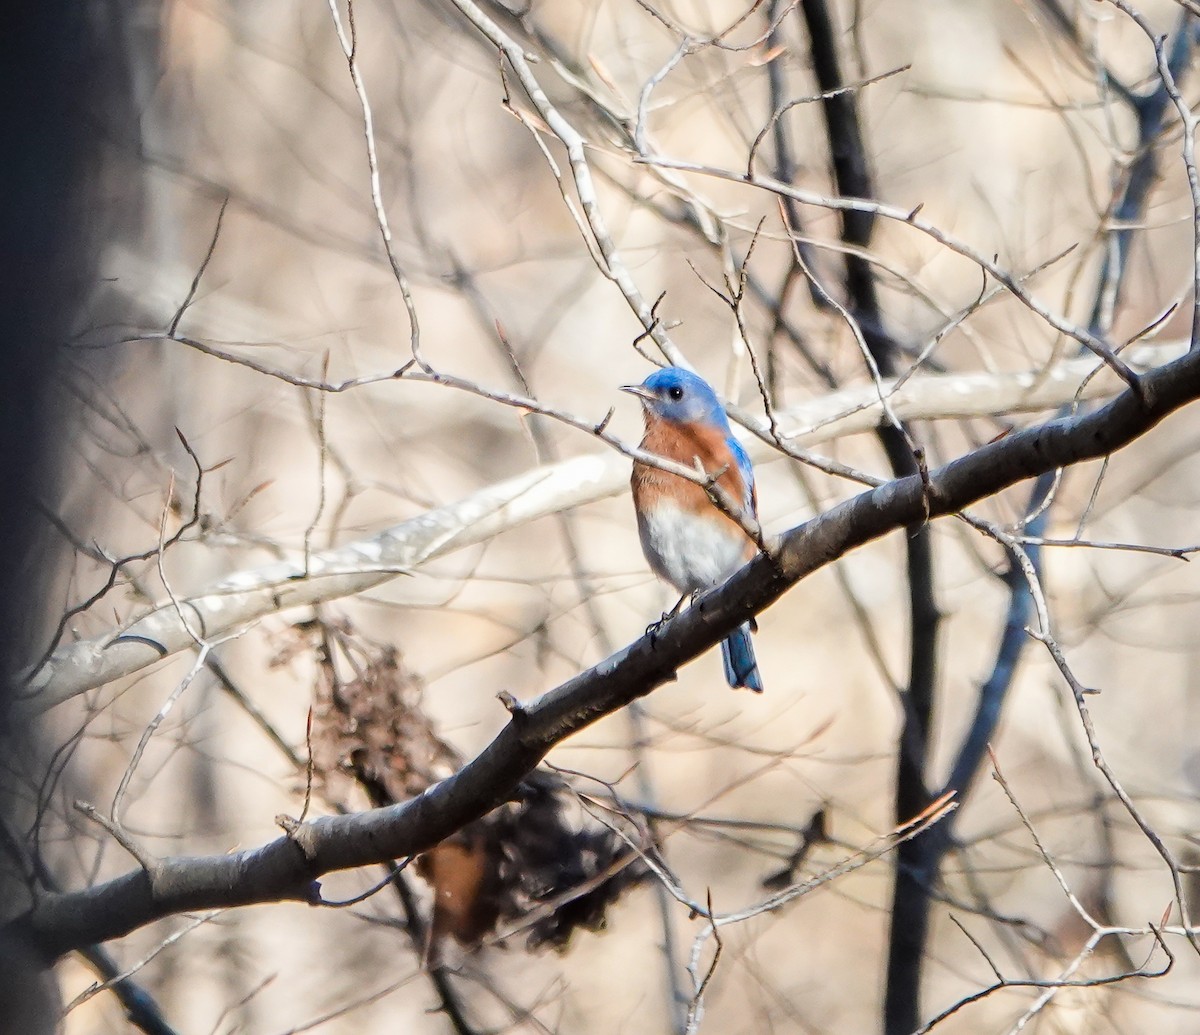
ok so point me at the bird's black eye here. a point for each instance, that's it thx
(675, 392)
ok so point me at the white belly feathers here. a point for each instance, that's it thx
(687, 550)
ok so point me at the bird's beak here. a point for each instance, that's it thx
(641, 391)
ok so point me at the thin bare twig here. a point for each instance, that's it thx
(349, 45)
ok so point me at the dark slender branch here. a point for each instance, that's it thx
(140, 1008)
(1150, 110)
(116, 567)
(173, 326)
(289, 867)
(917, 871)
(851, 172)
(853, 178)
(995, 688)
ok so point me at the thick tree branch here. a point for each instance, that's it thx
(355, 567)
(289, 867)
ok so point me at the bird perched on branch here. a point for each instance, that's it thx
(688, 539)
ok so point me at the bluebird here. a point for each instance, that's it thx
(689, 541)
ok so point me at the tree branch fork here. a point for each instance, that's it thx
(290, 867)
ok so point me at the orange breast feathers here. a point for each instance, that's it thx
(684, 443)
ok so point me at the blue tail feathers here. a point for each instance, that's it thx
(741, 666)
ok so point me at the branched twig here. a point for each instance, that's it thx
(1079, 692)
(613, 266)
(116, 566)
(911, 217)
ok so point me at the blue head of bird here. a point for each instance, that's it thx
(679, 396)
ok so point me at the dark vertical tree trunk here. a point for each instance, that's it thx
(56, 82)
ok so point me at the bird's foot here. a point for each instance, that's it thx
(653, 627)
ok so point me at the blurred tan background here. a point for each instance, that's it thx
(999, 127)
